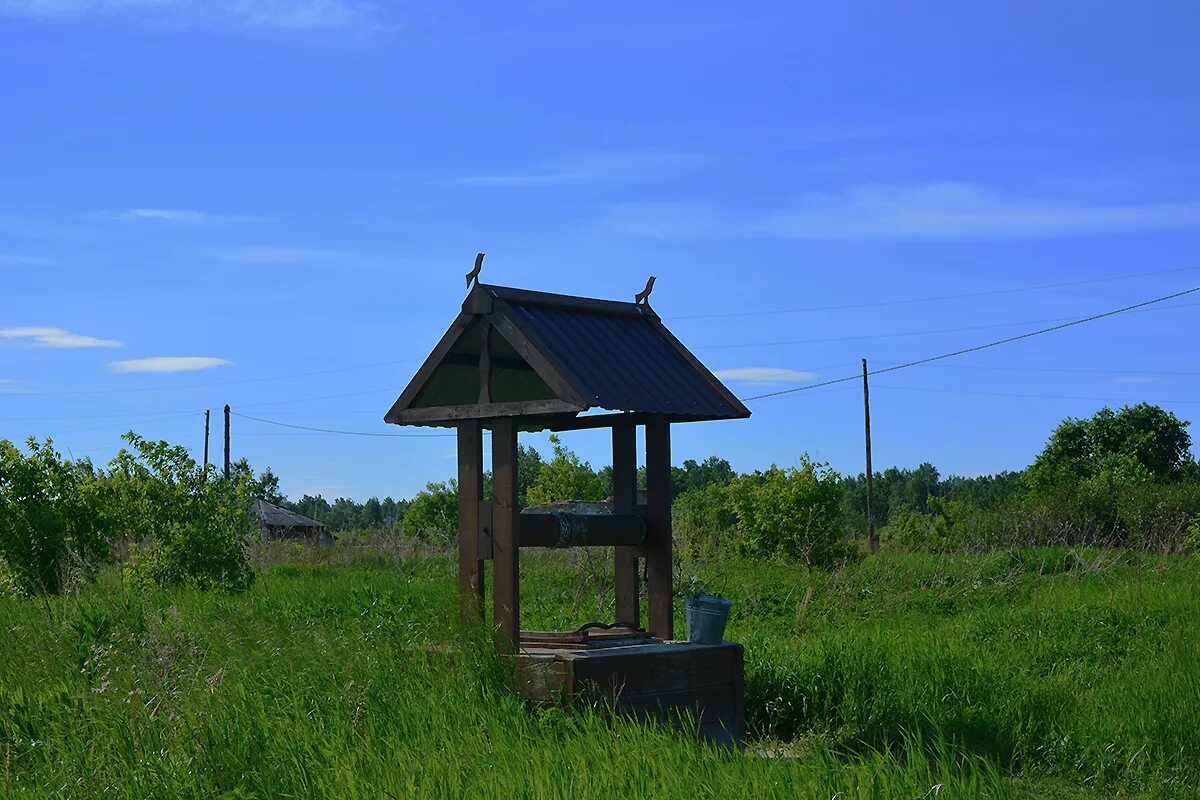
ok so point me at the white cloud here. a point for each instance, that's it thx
(55, 337)
(590, 169)
(172, 216)
(278, 14)
(259, 254)
(764, 375)
(18, 260)
(168, 364)
(1137, 379)
(916, 211)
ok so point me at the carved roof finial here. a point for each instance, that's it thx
(473, 275)
(642, 297)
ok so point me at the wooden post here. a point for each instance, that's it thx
(470, 493)
(624, 476)
(226, 441)
(872, 536)
(206, 413)
(506, 577)
(658, 529)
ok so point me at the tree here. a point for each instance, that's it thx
(565, 477)
(1144, 434)
(51, 512)
(791, 512)
(712, 471)
(196, 523)
(267, 487)
(433, 513)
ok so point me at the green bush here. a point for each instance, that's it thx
(703, 520)
(52, 512)
(193, 525)
(791, 512)
(433, 513)
(565, 477)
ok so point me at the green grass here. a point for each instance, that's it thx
(1029, 674)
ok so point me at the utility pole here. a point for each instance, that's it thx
(872, 536)
(226, 441)
(206, 413)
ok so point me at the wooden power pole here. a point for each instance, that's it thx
(206, 414)
(226, 441)
(872, 536)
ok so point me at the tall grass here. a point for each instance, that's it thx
(1031, 673)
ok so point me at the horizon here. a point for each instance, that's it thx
(274, 206)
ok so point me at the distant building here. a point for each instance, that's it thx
(280, 524)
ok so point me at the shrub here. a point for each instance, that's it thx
(791, 512)
(193, 524)
(433, 513)
(51, 511)
(565, 477)
(703, 519)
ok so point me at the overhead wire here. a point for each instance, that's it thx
(344, 433)
(977, 348)
(935, 298)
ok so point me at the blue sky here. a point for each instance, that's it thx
(272, 204)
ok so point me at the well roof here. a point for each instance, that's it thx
(550, 354)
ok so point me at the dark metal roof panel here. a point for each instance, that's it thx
(624, 363)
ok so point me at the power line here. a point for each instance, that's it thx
(1029, 396)
(936, 298)
(862, 337)
(979, 347)
(344, 433)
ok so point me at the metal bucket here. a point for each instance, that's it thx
(706, 616)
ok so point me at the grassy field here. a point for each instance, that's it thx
(1030, 674)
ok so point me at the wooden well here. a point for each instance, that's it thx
(516, 360)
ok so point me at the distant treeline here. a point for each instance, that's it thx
(1124, 477)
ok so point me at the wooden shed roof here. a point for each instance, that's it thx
(274, 516)
(519, 353)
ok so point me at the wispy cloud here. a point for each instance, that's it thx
(168, 364)
(611, 168)
(764, 375)
(266, 254)
(1137, 379)
(172, 216)
(916, 211)
(265, 14)
(55, 337)
(18, 260)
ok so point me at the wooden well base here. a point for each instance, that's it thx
(696, 688)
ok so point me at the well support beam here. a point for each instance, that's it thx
(624, 475)
(505, 564)
(658, 529)
(470, 493)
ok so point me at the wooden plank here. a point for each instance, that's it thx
(625, 568)
(580, 530)
(411, 416)
(530, 297)
(485, 365)
(506, 574)
(485, 530)
(570, 422)
(468, 360)
(448, 340)
(657, 548)
(529, 346)
(470, 493)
